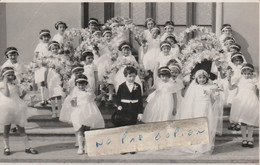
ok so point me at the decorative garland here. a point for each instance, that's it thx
(205, 46)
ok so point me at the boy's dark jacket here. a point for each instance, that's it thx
(131, 110)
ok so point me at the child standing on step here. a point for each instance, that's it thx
(41, 54)
(61, 27)
(162, 103)
(13, 110)
(54, 79)
(77, 69)
(202, 100)
(85, 114)
(245, 107)
(90, 69)
(169, 29)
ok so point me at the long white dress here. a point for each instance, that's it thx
(13, 109)
(54, 83)
(147, 36)
(245, 107)
(86, 112)
(234, 80)
(149, 58)
(160, 102)
(197, 103)
(89, 71)
(122, 62)
(178, 82)
(67, 109)
(42, 50)
(103, 62)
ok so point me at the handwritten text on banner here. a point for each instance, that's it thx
(143, 137)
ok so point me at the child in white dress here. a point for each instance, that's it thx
(72, 91)
(149, 58)
(85, 114)
(226, 31)
(54, 80)
(92, 24)
(144, 38)
(61, 27)
(175, 49)
(162, 103)
(12, 56)
(125, 59)
(177, 80)
(41, 55)
(163, 58)
(103, 62)
(169, 29)
(77, 69)
(201, 100)
(13, 110)
(227, 42)
(90, 70)
(245, 107)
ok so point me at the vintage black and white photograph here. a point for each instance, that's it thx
(129, 82)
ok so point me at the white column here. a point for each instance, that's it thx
(219, 14)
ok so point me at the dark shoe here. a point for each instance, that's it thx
(46, 102)
(132, 153)
(123, 153)
(232, 126)
(31, 151)
(237, 127)
(250, 144)
(42, 103)
(14, 130)
(244, 143)
(7, 151)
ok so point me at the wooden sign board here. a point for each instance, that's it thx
(143, 137)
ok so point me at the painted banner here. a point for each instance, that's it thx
(143, 137)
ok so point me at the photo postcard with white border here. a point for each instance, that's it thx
(181, 120)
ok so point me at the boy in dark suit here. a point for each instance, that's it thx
(129, 97)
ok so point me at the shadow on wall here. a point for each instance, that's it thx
(244, 46)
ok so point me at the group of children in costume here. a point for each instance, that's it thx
(99, 72)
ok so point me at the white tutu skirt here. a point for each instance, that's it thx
(103, 64)
(54, 81)
(245, 108)
(159, 107)
(120, 78)
(66, 110)
(86, 113)
(150, 59)
(13, 111)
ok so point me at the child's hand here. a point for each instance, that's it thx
(5, 79)
(119, 108)
(73, 102)
(23, 93)
(174, 111)
(140, 117)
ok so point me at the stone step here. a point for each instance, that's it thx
(40, 123)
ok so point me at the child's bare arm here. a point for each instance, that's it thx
(175, 104)
(96, 81)
(6, 91)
